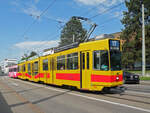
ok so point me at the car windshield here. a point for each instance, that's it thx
(115, 60)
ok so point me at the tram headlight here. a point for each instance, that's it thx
(117, 78)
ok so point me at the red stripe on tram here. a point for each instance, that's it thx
(106, 78)
(68, 76)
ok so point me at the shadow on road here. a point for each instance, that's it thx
(50, 97)
(4, 107)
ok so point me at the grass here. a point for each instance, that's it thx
(144, 78)
(147, 71)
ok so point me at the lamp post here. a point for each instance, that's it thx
(143, 42)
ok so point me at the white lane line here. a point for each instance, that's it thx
(114, 103)
(15, 84)
(92, 98)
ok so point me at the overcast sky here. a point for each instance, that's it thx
(21, 31)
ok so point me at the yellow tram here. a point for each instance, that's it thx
(92, 65)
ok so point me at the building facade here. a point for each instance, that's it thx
(7, 63)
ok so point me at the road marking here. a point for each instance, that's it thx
(15, 84)
(3, 77)
(91, 98)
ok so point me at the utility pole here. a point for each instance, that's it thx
(143, 42)
(73, 40)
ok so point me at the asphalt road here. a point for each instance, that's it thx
(18, 96)
(145, 88)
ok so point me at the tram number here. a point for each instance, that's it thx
(114, 45)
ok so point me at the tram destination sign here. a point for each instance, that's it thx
(114, 44)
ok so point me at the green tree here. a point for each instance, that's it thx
(33, 53)
(132, 32)
(72, 27)
(26, 57)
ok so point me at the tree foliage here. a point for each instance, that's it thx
(72, 27)
(26, 57)
(132, 32)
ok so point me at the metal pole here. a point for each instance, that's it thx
(143, 42)
(73, 40)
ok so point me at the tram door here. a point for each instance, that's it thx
(44, 77)
(85, 69)
(49, 77)
(52, 68)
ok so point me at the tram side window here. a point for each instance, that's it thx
(29, 69)
(83, 61)
(88, 60)
(15, 69)
(24, 68)
(45, 64)
(75, 60)
(35, 67)
(19, 68)
(72, 61)
(61, 62)
(101, 60)
(10, 70)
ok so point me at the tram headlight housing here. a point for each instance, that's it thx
(117, 78)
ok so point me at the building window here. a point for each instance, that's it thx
(45, 64)
(61, 62)
(72, 61)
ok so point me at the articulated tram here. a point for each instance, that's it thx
(92, 65)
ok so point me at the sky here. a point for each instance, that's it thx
(34, 25)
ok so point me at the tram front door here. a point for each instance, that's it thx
(85, 70)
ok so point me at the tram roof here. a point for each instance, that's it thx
(68, 47)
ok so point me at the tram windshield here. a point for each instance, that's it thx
(101, 60)
(115, 60)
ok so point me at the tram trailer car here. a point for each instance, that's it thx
(13, 71)
(93, 65)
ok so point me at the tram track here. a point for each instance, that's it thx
(139, 90)
(140, 96)
(121, 100)
(130, 97)
(122, 96)
(23, 100)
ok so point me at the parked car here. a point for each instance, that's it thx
(131, 77)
